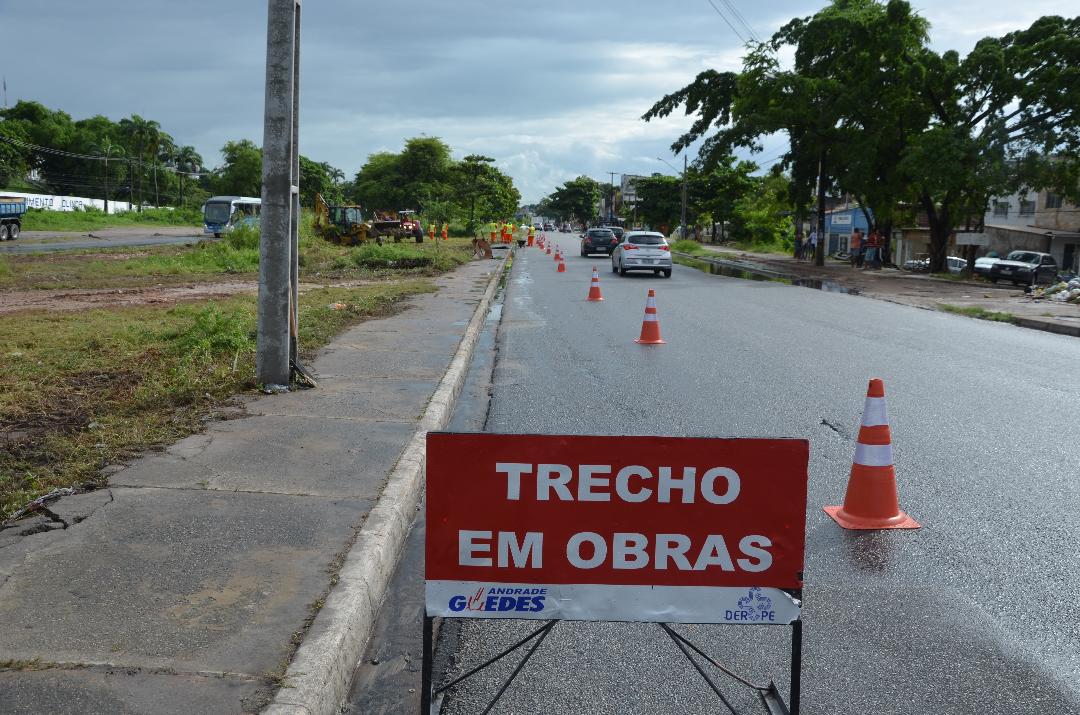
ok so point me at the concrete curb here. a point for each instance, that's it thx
(318, 679)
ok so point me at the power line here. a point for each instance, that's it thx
(742, 20)
(729, 24)
(94, 157)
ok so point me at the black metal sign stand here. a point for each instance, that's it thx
(769, 695)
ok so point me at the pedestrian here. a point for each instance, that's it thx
(418, 231)
(856, 248)
(812, 245)
(798, 245)
(873, 245)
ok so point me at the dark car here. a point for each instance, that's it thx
(1025, 268)
(598, 240)
(549, 226)
(617, 230)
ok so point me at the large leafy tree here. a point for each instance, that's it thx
(872, 110)
(423, 176)
(241, 171)
(1006, 116)
(576, 199)
(659, 200)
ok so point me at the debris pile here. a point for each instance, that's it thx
(1062, 292)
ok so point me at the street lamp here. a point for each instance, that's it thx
(682, 216)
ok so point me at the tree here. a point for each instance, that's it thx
(715, 193)
(241, 172)
(14, 160)
(576, 199)
(659, 201)
(188, 161)
(1007, 116)
(900, 122)
(473, 180)
(142, 136)
(317, 178)
(108, 149)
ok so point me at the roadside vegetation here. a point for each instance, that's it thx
(974, 311)
(90, 219)
(234, 257)
(82, 390)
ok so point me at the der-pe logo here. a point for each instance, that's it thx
(615, 528)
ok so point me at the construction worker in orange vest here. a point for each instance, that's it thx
(532, 234)
(431, 232)
(445, 231)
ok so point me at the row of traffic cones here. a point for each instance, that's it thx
(871, 501)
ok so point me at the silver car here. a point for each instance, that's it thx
(642, 251)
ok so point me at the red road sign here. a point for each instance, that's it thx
(669, 529)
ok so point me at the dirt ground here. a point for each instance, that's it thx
(119, 232)
(13, 301)
(921, 290)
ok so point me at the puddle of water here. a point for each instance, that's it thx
(731, 271)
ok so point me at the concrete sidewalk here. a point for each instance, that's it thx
(920, 290)
(186, 586)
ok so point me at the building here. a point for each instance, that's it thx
(841, 222)
(1044, 222)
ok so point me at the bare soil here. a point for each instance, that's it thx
(13, 301)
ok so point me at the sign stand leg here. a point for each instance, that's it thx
(426, 666)
(796, 665)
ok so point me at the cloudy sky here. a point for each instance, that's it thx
(550, 89)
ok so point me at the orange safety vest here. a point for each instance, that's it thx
(445, 231)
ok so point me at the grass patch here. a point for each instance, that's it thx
(236, 254)
(974, 311)
(90, 219)
(686, 245)
(80, 391)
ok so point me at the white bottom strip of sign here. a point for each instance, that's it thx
(593, 602)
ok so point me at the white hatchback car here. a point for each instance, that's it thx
(642, 251)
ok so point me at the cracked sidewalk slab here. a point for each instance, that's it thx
(327, 458)
(177, 579)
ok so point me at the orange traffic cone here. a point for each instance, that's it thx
(594, 288)
(871, 501)
(558, 256)
(562, 267)
(650, 326)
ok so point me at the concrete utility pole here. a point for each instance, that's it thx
(278, 242)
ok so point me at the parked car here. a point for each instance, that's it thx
(955, 264)
(642, 251)
(566, 228)
(985, 263)
(917, 264)
(1025, 268)
(598, 240)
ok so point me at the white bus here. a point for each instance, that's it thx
(222, 213)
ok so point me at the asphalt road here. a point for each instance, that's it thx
(977, 612)
(45, 241)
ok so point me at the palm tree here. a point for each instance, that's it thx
(144, 133)
(108, 149)
(187, 160)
